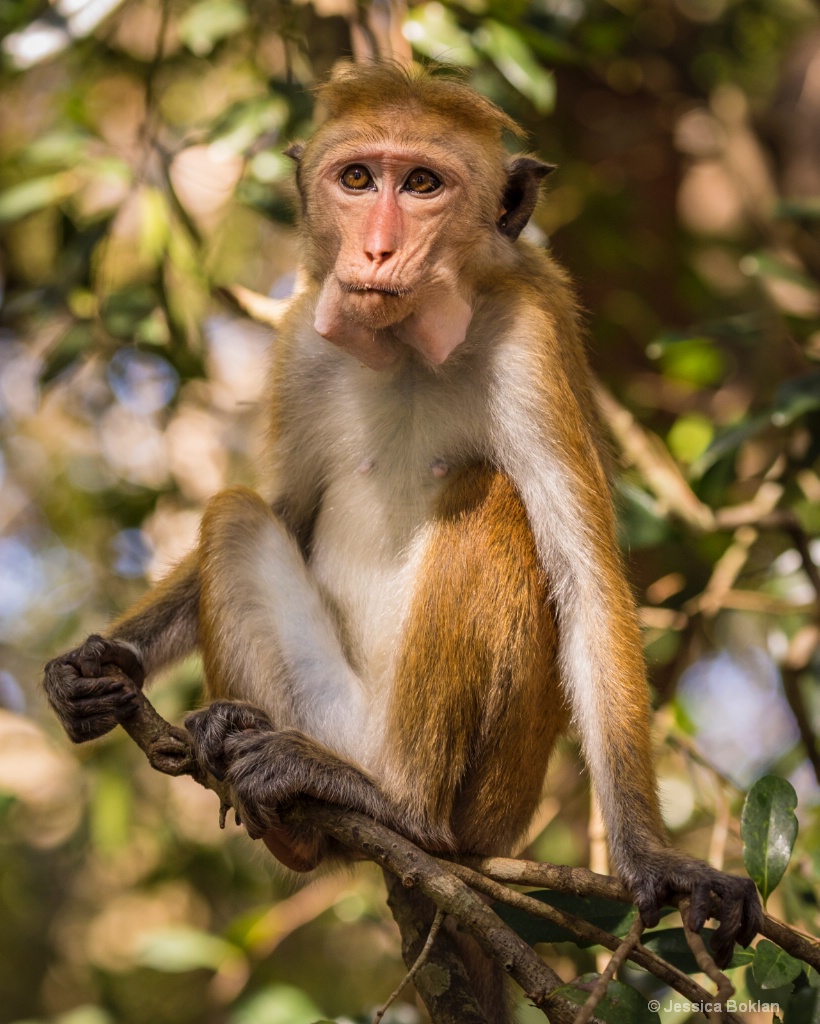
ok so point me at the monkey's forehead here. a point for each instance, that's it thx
(437, 138)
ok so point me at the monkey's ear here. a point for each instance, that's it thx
(295, 151)
(521, 194)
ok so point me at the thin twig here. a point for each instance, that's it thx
(651, 458)
(608, 973)
(795, 943)
(726, 571)
(260, 308)
(724, 989)
(438, 920)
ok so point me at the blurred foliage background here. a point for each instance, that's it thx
(142, 172)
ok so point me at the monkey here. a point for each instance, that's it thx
(430, 591)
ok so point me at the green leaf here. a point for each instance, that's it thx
(516, 62)
(671, 944)
(768, 827)
(238, 129)
(278, 1004)
(35, 194)
(728, 442)
(765, 264)
(773, 967)
(86, 1015)
(622, 1004)
(433, 30)
(795, 398)
(176, 950)
(206, 23)
(63, 147)
(154, 224)
(695, 360)
(803, 1007)
(690, 436)
(610, 915)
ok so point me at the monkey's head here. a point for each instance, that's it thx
(408, 197)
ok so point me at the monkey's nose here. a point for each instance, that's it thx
(378, 257)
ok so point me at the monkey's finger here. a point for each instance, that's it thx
(649, 907)
(93, 719)
(700, 905)
(88, 658)
(752, 914)
(239, 716)
(208, 741)
(214, 728)
(741, 913)
(723, 940)
(118, 705)
(82, 688)
(123, 657)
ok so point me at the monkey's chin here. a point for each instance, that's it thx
(377, 310)
(376, 327)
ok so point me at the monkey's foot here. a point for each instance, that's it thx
(212, 727)
(666, 874)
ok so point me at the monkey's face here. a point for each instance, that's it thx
(395, 218)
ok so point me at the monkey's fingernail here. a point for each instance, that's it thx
(365, 467)
(439, 469)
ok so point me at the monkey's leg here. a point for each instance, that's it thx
(479, 705)
(267, 637)
(265, 633)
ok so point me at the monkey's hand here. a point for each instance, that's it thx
(667, 873)
(88, 702)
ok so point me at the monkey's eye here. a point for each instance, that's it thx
(357, 178)
(422, 182)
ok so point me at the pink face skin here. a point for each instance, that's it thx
(389, 287)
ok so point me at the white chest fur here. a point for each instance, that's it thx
(397, 440)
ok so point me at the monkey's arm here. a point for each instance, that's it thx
(545, 445)
(161, 627)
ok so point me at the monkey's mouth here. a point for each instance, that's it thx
(377, 306)
(373, 289)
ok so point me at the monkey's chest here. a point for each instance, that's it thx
(368, 540)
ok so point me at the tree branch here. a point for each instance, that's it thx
(420, 885)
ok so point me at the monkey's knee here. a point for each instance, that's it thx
(239, 533)
(233, 511)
